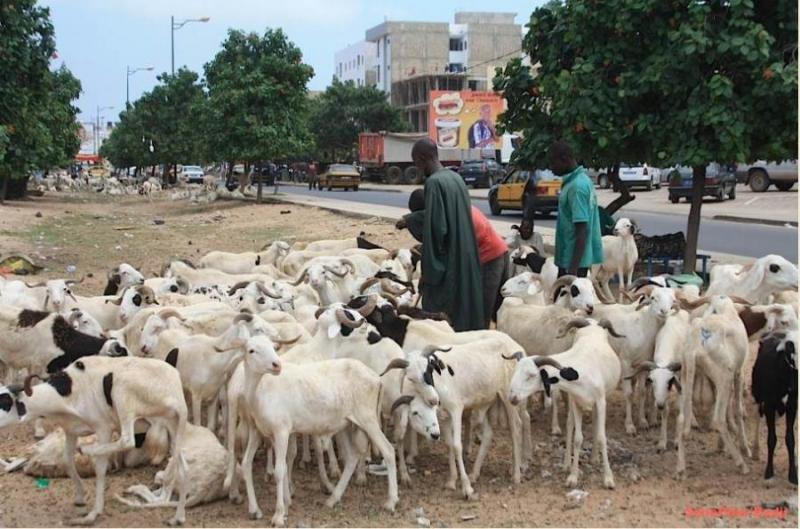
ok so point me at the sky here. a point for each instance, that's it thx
(99, 39)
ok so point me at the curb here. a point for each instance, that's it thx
(748, 220)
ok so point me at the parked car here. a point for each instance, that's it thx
(640, 176)
(262, 171)
(340, 175)
(599, 177)
(481, 173)
(720, 182)
(508, 194)
(760, 175)
(192, 174)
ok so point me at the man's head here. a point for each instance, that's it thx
(416, 201)
(486, 113)
(560, 158)
(425, 156)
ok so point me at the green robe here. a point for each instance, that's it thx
(451, 272)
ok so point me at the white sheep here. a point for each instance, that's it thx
(245, 262)
(619, 257)
(756, 281)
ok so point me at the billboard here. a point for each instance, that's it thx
(465, 119)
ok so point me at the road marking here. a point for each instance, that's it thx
(751, 201)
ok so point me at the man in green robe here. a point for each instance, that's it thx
(451, 273)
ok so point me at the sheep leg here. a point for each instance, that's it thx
(280, 444)
(595, 457)
(333, 462)
(555, 428)
(755, 454)
(527, 439)
(306, 457)
(447, 437)
(70, 444)
(486, 438)
(413, 449)
(630, 275)
(38, 429)
(373, 430)
(687, 381)
(468, 433)
(570, 431)
(513, 419)
(772, 440)
(231, 482)
(577, 443)
(680, 470)
(738, 392)
(323, 476)
(253, 442)
(211, 419)
(270, 466)
(197, 409)
(290, 457)
(351, 458)
(398, 434)
(100, 469)
(466, 487)
(627, 391)
(600, 416)
(642, 398)
(791, 412)
(720, 423)
(662, 442)
(126, 440)
(621, 275)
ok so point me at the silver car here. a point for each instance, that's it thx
(760, 175)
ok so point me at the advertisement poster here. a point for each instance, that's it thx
(464, 120)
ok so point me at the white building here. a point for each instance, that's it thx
(356, 63)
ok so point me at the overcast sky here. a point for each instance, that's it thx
(97, 39)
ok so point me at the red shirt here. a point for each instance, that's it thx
(490, 244)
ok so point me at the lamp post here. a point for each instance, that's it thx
(97, 128)
(178, 25)
(128, 81)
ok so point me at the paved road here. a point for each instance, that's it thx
(754, 240)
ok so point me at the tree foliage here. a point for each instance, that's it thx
(664, 82)
(344, 110)
(38, 125)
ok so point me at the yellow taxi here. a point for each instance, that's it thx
(340, 175)
(99, 171)
(508, 194)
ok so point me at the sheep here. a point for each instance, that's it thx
(787, 297)
(593, 372)
(244, 262)
(639, 326)
(718, 346)
(400, 263)
(114, 312)
(56, 292)
(756, 281)
(473, 377)
(525, 286)
(121, 277)
(93, 395)
(328, 246)
(206, 460)
(619, 256)
(359, 265)
(18, 294)
(333, 282)
(45, 341)
(328, 397)
(167, 285)
(774, 389)
(85, 323)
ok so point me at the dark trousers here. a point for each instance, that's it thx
(493, 275)
(582, 272)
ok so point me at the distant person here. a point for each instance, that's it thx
(578, 241)
(313, 179)
(482, 134)
(492, 250)
(451, 274)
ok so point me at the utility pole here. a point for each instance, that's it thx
(178, 25)
(128, 81)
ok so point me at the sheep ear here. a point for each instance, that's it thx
(333, 330)
(568, 374)
(533, 288)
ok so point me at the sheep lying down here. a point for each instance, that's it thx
(206, 461)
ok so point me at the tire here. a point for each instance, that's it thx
(674, 200)
(494, 206)
(393, 175)
(355, 188)
(759, 181)
(412, 175)
(649, 186)
(720, 194)
(658, 185)
(602, 181)
(330, 188)
(784, 186)
(732, 193)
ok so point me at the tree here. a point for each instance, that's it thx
(344, 110)
(257, 91)
(678, 82)
(60, 119)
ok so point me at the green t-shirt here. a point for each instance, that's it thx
(577, 203)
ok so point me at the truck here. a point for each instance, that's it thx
(386, 156)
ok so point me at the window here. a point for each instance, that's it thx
(455, 67)
(378, 45)
(473, 85)
(457, 45)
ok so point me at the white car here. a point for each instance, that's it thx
(640, 175)
(192, 174)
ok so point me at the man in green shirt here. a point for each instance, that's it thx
(578, 241)
(451, 272)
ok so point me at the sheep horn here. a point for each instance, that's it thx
(333, 271)
(640, 282)
(396, 363)
(264, 289)
(601, 295)
(73, 282)
(691, 305)
(237, 286)
(265, 247)
(403, 400)
(560, 282)
(393, 254)
(170, 313)
(368, 283)
(518, 355)
(242, 316)
(341, 315)
(300, 279)
(290, 341)
(576, 323)
(430, 349)
(27, 384)
(147, 293)
(547, 361)
(349, 263)
(391, 299)
(674, 366)
(389, 287)
(645, 289)
(647, 365)
(35, 285)
(368, 307)
(605, 324)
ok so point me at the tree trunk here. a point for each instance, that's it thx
(5, 188)
(152, 170)
(693, 227)
(260, 184)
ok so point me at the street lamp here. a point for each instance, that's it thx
(178, 25)
(128, 81)
(97, 128)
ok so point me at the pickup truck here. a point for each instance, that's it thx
(760, 175)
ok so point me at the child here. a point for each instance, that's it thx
(492, 249)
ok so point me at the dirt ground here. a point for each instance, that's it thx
(95, 233)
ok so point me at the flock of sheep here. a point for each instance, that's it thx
(319, 351)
